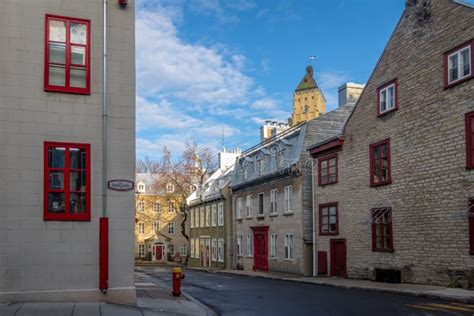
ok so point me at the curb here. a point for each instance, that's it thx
(209, 312)
(354, 287)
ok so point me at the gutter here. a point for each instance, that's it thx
(314, 225)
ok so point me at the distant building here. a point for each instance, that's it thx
(210, 217)
(271, 129)
(308, 99)
(158, 220)
(349, 92)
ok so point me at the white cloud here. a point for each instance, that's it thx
(329, 82)
(266, 103)
(191, 72)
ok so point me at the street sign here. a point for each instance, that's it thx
(121, 185)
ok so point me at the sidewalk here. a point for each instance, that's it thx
(152, 299)
(428, 291)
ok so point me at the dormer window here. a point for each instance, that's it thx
(260, 164)
(169, 188)
(387, 98)
(458, 64)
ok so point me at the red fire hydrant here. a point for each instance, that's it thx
(178, 275)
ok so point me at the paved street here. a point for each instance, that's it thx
(240, 295)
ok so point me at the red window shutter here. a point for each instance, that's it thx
(469, 140)
(322, 262)
(471, 226)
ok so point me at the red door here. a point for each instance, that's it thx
(338, 257)
(260, 248)
(159, 252)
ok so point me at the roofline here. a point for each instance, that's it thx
(324, 142)
(464, 3)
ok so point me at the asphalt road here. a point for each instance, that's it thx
(239, 295)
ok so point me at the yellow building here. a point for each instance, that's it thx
(158, 232)
(308, 99)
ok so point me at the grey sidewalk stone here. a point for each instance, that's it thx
(86, 309)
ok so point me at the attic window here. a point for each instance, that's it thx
(458, 64)
(169, 188)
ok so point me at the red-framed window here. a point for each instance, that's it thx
(470, 140)
(382, 235)
(67, 182)
(387, 97)
(327, 170)
(471, 226)
(380, 170)
(67, 55)
(328, 219)
(459, 64)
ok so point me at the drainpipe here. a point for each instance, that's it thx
(314, 223)
(104, 221)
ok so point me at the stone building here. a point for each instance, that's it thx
(272, 198)
(158, 219)
(56, 232)
(397, 206)
(210, 217)
(308, 99)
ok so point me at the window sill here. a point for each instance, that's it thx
(273, 259)
(288, 260)
(288, 213)
(374, 185)
(382, 250)
(83, 91)
(260, 216)
(329, 234)
(248, 217)
(273, 214)
(387, 112)
(325, 184)
(250, 257)
(455, 83)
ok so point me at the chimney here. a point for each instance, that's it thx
(349, 93)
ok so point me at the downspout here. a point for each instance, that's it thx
(104, 221)
(314, 225)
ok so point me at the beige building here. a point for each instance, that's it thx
(158, 221)
(308, 99)
(54, 202)
(398, 204)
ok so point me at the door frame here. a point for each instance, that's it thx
(260, 231)
(155, 246)
(205, 241)
(332, 249)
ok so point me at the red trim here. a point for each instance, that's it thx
(469, 126)
(66, 216)
(322, 262)
(320, 161)
(471, 226)
(336, 144)
(446, 68)
(103, 253)
(372, 164)
(67, 65)
(384, 248)
(321, 206)
(395, 99)
(332, 250)
(260, 262)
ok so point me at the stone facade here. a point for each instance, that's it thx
(308, 99)
(59, 260)
(430, 185)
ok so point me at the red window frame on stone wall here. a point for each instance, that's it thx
(470, 214)
(330, 172)
(377, 166)
(76, 47)
(382, 232)
(386, 87)
(469, 45)
(67, 195)
(470, 140)
(328, 215)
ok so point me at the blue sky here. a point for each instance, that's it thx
(208, 67)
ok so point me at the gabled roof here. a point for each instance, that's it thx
(211, 189)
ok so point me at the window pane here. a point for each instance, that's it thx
(56, 202)
(324, 164)
(57, 31)
(376, 171)
(376, 152)
(78, 202)
(378, 242)
(78, 78)
(56, 180)
(56, 157)
(324, 172)
(324, 211)
(57, 53)
(332, 178)
(465, 62)
(77, 158)
(332, 162)
(78, 55)
(78, 33)
(383, 100)
(390, 99)
(332, 170)
(332, 227)
(77, 181)
(332, 219)
(387, 242)
(332, 210)
(325, 219)
(383, 151)
(453, 67)
(57, 76)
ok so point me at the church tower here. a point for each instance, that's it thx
(308, 99)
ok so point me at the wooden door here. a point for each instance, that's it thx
(159, 252)
(260, 246)
(338, 257)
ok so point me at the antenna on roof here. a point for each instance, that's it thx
(311, 58)
(223, 147)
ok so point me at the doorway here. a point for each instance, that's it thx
(159, 252)
(338, 257)
(204, 251)
(260, 246)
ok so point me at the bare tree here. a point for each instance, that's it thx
(147, 165)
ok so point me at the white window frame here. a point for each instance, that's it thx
(192, 248)
(249, 245)
(207, 216)
(170, 188)
(288, 199)
(156, 207)
(289, 246)
(273, 202)
(248, 206)
(191, 217)
(390, 103)
(196, 245)
(273, 246)
(214, 215)
(172, 249)
(141, 206)
(220, 214)
(238, 207)
(170, 207)
(239, 245)
(183, 250)
(156, 226)
(459, 64)
(220, 250)
(214, 249)
(141, 228)
(202, 216)
(171, 228)
(141, 250)
(262, 214)
(260, 165)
